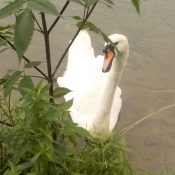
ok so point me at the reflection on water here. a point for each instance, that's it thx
(150, 68)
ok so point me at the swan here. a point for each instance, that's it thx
(94, 83)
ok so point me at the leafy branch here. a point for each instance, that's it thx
(4, 123)
(9, 117)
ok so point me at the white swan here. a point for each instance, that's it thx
(94, 81)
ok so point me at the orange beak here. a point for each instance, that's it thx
(108, 58)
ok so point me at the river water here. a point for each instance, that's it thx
(150, 68)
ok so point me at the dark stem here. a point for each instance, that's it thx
(1, 154)
(48, 58)
(41, 30)
(7, 115)
(39, 166)
(13, 47)
(7, 124)
(62, 57)
(57, 19)
(49, 68)
(84, 12)
(9, 106)
(38, 30)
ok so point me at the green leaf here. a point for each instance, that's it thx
(44, 6)
(35, 157)
(107, 40)
(60, 92)
(76, 17)
(12, 79)
(82, 132)
(51, 115)
(136, 5)
(109, 1)
(7, 91)
(46, 133)
(3, 42)
(11, 8)
(8, 33)
(51, 158)
(77, 1)
(23, 32)
(6, 27)
(89, 2)
(2, 81)
(67, 104)
(89, 25)
(25, 82)
(9, 38)
(32, 64)
(24, 166)
(109, 6)
(13, 168)
(3, 50)
(67, 131)
(72, 138)
(23, 149)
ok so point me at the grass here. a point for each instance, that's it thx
(103, 158)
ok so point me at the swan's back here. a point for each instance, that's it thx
(84, 77)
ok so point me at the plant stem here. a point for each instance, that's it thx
(62, 57)
(49, 68)
(13, 47)
(41, 30)
(57, 19)
(7, 116)
(48, 58)
(1, 155)
(9, 108)
(5, 123)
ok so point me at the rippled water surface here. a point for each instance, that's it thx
(150, 68)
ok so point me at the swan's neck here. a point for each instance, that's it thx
(102, 118)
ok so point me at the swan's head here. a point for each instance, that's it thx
(110, 52)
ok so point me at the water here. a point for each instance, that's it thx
(150, 68)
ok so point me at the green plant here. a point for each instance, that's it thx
(104, 158)
(28, 136)
(36, 133)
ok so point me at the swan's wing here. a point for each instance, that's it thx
(80, 56)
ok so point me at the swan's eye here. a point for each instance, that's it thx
(116, 43)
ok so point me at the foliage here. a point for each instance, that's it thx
(104, 158)
(27, 139)
(37, 135)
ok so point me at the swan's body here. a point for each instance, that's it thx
(97, 101)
